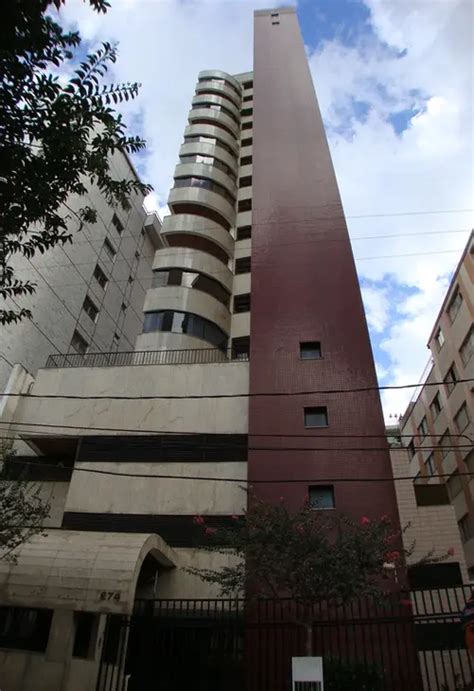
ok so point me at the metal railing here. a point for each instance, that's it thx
(190, 356)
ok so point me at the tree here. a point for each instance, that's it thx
(309, 556)
(56, 135)
(22, 509)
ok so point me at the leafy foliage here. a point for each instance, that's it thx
(56, 135)
(22, 509)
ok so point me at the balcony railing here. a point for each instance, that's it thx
(194, 356)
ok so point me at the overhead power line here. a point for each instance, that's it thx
(360, 389)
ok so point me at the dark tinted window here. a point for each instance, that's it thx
(25, 629)
(186, 323)
(316, 416)
(310, 350)
(242, 265)
(242, 303)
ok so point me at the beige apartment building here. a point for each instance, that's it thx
(438, 426)
(89, 294)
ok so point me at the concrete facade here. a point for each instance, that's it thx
(65, 278)
(438, 426)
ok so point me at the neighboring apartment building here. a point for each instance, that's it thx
(90, 293)
(253, 331)
(440, 420)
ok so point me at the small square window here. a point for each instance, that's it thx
(100, 277)
(246, 161)
(241, 348)
(274, 23)
(451, 379)
(247, 126)
(247, 142)
(242, 303)
(423, 429)
(90, 308)
(245, 205)
(316, 416)
(467, 348)
(109, 249)
(246, 112)
(78, 343)
(245, 182)
(246, 99)
(454, 304)
(242, 265)
(248, 85)
(461, 419)
(244, 232)
(274, 14)
(411, 449)
(435, 406)
(439, 338)
(321, 497)
(310, 350)
(117, 224)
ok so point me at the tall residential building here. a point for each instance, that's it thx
(440, 419)
(89, 294)
(253, 371)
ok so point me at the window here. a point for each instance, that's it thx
(242, 303)
(435, 406)
(321, 497)
(117, 224)
(316, 416)
(247, 85)
(465, 528)
(454, 485)
(246, 161)
(431, 495)
(241, 348)
(247, 125)
(85, 634)
(22, 628)
(450, 379)
(186, 323)
(274, 14)
(248, 98)
(445, 444)
(247, 142)
(246, 181)
(191, 279)
(245, 205)
(242, 265)
(109, 249)
(430, 467)
(439, 338)
(199, 138)
(245, 112)
(434, 575)
(100, 277)
(274, 23)
(214, 106)
(78, 343)
(207, 184)
(90, 308)
(461, 419)
(467, 348)
(208, 160)
(411, 449)
(454, 305)
(310, 350)
(244, 232)
(423, 429)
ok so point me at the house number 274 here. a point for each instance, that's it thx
(110, 595)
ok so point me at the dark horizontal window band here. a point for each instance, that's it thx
(198, 209)
(220, 80)
(206, 184)
(173, 448)
(40, 468)
(215, 123)
(197, 242)
(212, 90)
(208, 161)
(185, 323)
(194, 280)
(204, 139)
(176, 530)
(218, 108)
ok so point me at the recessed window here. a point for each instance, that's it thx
(445, 444)
(85, 634)
(193, 280)
(245, 112)
(454, 304)
(316, 416)
(204, 183)
(241, 348)
(247, 142)
(465, 528)
(461, 419)
(78, 343)
(467, 348)
(439, 338)
(245, 205)
(242, 265)
(451, 379)
(435, 406)
(411, 448)
(186, 323)
(116, 222)
(275, 22)
(90, 308)
(244, 232)
(109, 249)
(321, 497)
(247, 85)
(242, 303)
(246, 161)
(430, 467)
(246, 181)
(248, 98)
(23, 628)
(423, 429)
(247, 125)
(454, 485)
(310, 350)
(100, 277)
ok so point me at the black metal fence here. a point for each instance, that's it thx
(190, 356)
(411, 642)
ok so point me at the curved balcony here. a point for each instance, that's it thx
(217, 152)
(202, 202)
(209, 130)
(203, 170)
(194, 260)
(212, 87)
(219, 74)
(185, 323)
(207, 116)
(184, 299)
(204, 99)
(188, 227)
(170, 341)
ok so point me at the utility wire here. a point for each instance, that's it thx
(360, 389)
